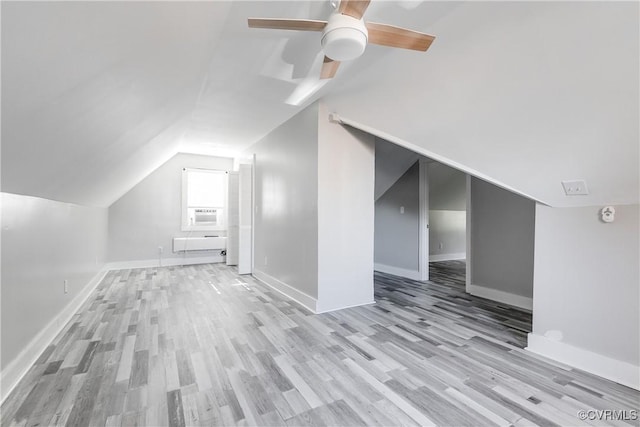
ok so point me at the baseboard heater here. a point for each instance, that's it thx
(188, 244)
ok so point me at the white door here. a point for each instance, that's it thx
(246, 217)
(233, 220)
(423, 221)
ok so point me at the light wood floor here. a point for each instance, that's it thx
(200, 345)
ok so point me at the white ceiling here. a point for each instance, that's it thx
(95, 95)
(525, 94)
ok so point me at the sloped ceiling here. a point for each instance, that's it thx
(526, 93)
(85, 86)
(95, 95)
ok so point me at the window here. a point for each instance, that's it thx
(204, 199)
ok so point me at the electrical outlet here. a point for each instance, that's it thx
(401, 209)
(266, 261)
(66, 286)
(160, 249)
(576, 187)
(441, 245)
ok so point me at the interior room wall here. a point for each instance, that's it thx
(45, 242)
(392, 161)
(517, 116)
(502, 244)
(396, 232)
(149, 215)
(447, 213)
(286, 207)
(447, 235)
(586, 290)
(346, 170)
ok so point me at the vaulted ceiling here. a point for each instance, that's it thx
(96, 95)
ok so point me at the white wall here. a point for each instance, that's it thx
(313, 220)
(396, 233)
(346, 170)
(502, 243)
(149, 215)
(586, 290)
(286, 201)
(519, 109)
(44, 243)
(447, 213)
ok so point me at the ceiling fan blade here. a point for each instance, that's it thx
(354, 8)
(329, 68)
(287, 24)
(388, 35)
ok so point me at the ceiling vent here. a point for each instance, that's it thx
(576, 187)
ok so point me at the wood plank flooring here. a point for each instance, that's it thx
(200, 345)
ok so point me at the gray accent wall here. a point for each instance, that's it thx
(392, 161)
(45, 242)
(502, 239)
(447, 188)
(396, 233)
(447, 235)
(447, 212)
(587, 281)
(150, 214)
(286, 203)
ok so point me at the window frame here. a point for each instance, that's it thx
(222, 222)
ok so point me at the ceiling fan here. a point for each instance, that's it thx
(345, 35)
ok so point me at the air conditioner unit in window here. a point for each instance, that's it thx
(206, 216)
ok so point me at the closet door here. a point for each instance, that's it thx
(233, 219)
(246, 218)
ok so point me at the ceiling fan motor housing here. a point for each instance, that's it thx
(344, 37)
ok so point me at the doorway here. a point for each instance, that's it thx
(420, 213)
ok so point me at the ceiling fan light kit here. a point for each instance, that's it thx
(344, 38)
(345, 35)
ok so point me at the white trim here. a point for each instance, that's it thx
(253, 211)
(396, 271)
(501, 296)
(20, 365)
(469, 270)
(607, 367)
(437, 157)
(166, 262)
(330, 309)
(447, 257)
(423, 219)
(289, 291)
(245, 208)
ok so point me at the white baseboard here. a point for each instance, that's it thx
(289, 291)
(501, 296)
(402, 272)
(166, 262)
(321, 309)
(447, 257)
(18, 367)
(612, 369)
